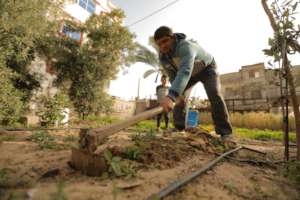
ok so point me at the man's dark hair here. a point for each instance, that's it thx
(162, 32)
(163, 76)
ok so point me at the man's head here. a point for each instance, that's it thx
(164, 39)
(163, 80)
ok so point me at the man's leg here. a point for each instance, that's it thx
(220, 117)
(179, 117)
(166, 115)
(158, 117)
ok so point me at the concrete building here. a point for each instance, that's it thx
(123, 108)
(254, 87)
(80, 11)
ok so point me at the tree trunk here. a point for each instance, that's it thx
(295, 107)
(289, 76)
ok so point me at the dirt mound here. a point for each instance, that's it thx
(162, 150)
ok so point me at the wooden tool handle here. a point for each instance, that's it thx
(89, 139)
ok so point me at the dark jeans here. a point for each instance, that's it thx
(158, 118)
(211, 81)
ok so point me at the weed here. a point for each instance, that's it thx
(60, 193)
(291, 170)
(116, 190)
(70, 138)
(7, 138)
(104, 176)
(132, 153)
(229, 185)
(3, 176)
(44, 140)
(151, 134)
(257, 188)
(155, 197)
(259, 193)
(117, 166)
(17, 196)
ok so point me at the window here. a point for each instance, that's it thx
(88, 5)
(254, 74)
(67, 30)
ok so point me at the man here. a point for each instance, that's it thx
(186, 63)
(161, 92)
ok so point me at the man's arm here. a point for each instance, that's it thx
(187, 55)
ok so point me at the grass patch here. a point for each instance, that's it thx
(147, 125)
(93, 121)
(291, 170)
(60, 194)
(144, 126)
(3, 177)
(252, 120)
(263, 135)
(7, 138)
(45, 140)
(256, 134)
(102, 120)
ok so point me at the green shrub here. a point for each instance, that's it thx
(52, 109)
(11, 99)
(44, 140)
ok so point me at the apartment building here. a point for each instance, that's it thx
(78, 11)
(254, 87)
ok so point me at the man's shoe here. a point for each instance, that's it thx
(228, 140)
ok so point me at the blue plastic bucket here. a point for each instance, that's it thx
(192, 118)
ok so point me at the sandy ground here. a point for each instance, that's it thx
(44, 174)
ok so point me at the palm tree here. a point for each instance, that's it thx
(149, 57)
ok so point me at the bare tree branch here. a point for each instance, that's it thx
(269, 14)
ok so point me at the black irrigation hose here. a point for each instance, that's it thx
(183, 181)
(37, 129)
(254, 150)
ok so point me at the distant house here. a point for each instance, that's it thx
(123, 108)
(253, 87)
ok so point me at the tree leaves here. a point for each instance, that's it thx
(11, 105)
(149, 72)
(286, 29)
(88, 68)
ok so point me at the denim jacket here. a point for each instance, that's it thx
(185, 60)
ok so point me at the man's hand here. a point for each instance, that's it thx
(167, 104)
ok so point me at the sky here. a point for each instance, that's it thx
(234, 31)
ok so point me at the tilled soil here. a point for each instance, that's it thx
(30, 171)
